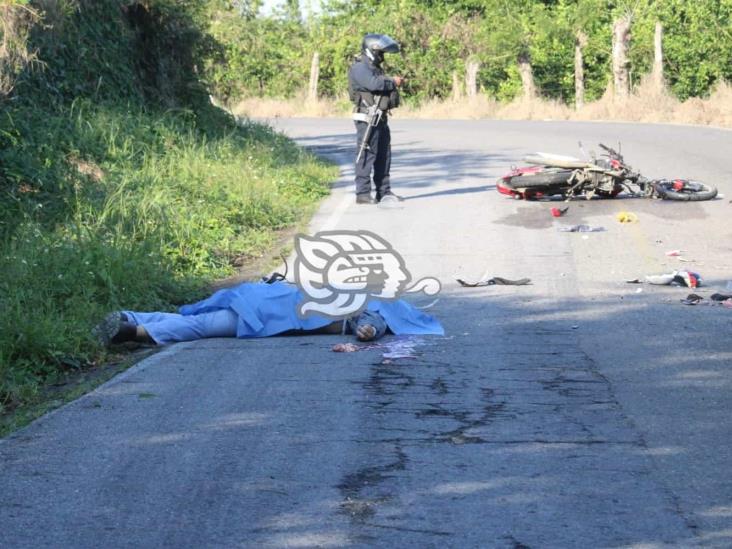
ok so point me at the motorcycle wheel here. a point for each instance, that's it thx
(689, 191)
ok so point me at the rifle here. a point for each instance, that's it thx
(374, 113)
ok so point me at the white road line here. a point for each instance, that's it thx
(337, 213)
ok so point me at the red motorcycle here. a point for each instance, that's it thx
(605, 177)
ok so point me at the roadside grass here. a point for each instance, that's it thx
(646, 104)
(67, 388)
(111, 206)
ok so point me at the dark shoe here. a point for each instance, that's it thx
(692, 299)
(114, 329)
(107, 328)
(364, 199)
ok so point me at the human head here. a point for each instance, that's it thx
(374, 46)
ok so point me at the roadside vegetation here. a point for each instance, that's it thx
(646, 60)
(644, 104)
(122, 186)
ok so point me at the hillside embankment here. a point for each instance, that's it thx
(122, 185)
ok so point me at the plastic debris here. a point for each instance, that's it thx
(634, 281)
(661, 280)
(581, 229)
(720, 297)
(692, 280)
(559, 212)
(401, 348)
(626, 217)
(495, 281)
(639, 290)
(674, 253)
(680, 278)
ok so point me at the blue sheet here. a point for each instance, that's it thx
(270, 309)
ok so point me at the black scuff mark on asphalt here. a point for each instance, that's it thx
(410, 530)
(515, 544)
(467, 419)
(387, 380)
(439, 386)
(357, 489)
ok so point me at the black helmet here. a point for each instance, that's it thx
(374, 46)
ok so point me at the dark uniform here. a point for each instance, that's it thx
(367, 84)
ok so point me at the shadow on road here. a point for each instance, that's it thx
(415, 167)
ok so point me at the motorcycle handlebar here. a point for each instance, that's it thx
(608, 149)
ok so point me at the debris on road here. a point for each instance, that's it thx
(393, 349)
(692, 299)
(626, 217)
(661, 280)
(495, 281)
(715, 299)
(346, 348)
(674, 253)
(400, 348)
(634, 281)
(692, 280)
(678, 278)
(559, 212)
(581, 229)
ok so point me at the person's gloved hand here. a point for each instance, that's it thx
(365, 332)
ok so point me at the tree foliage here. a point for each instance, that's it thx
(270, 55)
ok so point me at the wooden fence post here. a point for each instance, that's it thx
(457, 89)
(621, 62)
(527, 76)
(471, 78)
(579, 70)
(314, 75)
(657, 74)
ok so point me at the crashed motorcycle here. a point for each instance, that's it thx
(605, 177)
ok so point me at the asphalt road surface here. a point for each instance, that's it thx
(580, 411)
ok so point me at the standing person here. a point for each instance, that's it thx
(369, 89)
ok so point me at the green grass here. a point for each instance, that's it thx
(121, 186)
(128, 208)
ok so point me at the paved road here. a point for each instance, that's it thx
(575, 412)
